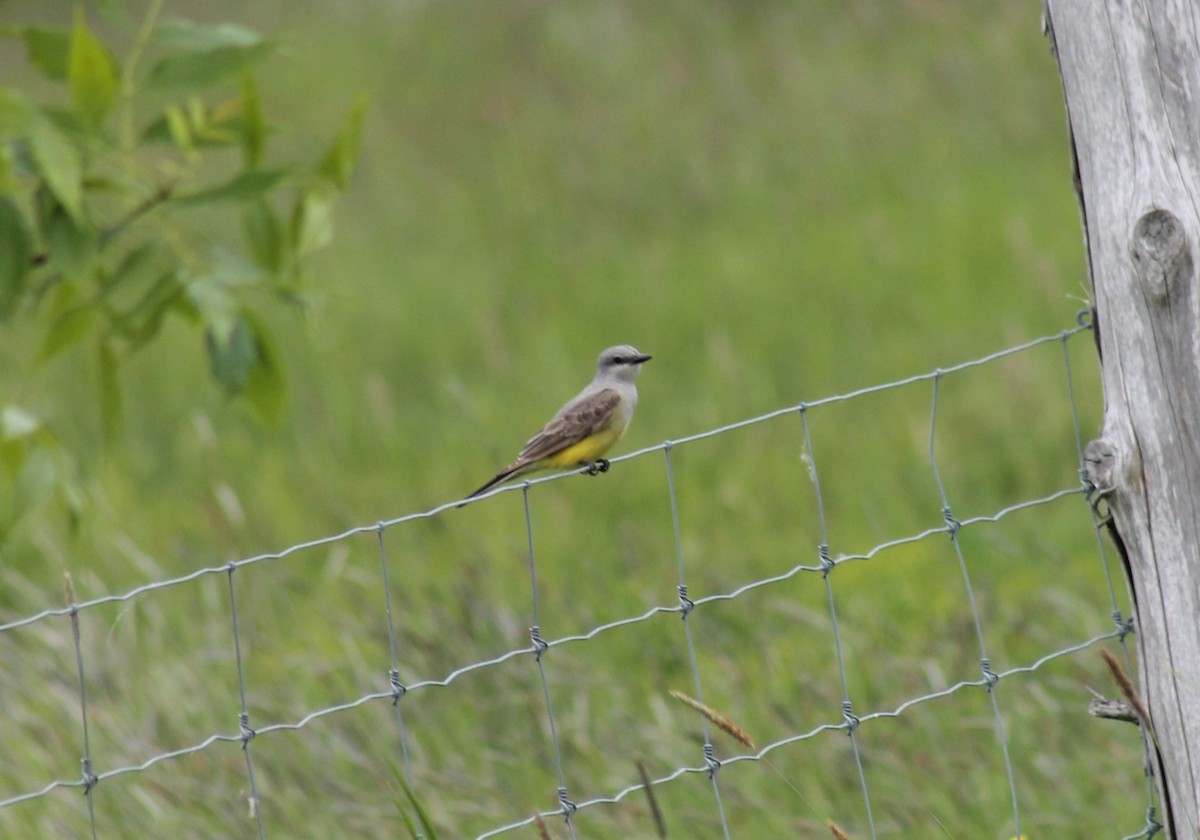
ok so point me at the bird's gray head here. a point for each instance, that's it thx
(622, 362)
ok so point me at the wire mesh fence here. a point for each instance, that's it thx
(401, 690)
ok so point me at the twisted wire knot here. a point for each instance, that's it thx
(90, 779)
(952, 524)
(539, 644)
(686, 604)
(989, 676)
(710, 759)
(1086, 481)
(246, 732)
(399, 689)
(826, 560)
(568, 807)
(852, 720)
(1153, 826)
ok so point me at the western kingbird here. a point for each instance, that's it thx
(586, 427)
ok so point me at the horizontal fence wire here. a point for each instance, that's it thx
(825, 566)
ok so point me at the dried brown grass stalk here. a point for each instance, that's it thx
(838, 834)
(659, 826)
(1126, 686)
(715, 718)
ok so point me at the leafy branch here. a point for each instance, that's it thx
(116, 209)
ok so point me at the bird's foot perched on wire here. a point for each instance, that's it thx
(600, 465)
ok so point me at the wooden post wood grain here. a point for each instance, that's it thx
(1131, 78)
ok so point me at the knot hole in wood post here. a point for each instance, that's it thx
(1098, 463)
(1162, 256)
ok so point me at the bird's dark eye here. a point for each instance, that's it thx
(618, 360)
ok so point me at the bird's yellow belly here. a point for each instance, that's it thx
(586, 451)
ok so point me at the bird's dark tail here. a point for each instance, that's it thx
(504, 474)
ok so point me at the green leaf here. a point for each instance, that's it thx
(91, 74)
(110, 392)
(15, 114)
(195, 71)
(16, 252)
(47, 50)
(220, 125)
(61, 295)
(312, 221)
(189, 36)
(264, 235)
(243, 359)
(157, 132)
(244, 187)
(342, 156)
(147, 316)
(69, 328)
(59, 163)
(232, 353)
(71, 247)
(210, 302)
(178, 128)
(140, 291)
(135, 265)
(254, 127)
(266, 385)
(210, 137)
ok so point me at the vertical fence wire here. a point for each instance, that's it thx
(89, 777)
(539, 648)
(686, 605)
(397, 687)
(247, 734)
(952, 527)
(827, 566)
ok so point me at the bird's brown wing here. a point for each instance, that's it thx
(576, 422)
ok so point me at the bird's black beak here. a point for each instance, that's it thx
(637, 360)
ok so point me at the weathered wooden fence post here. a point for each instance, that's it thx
(1131, 77)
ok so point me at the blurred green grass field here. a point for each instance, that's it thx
(780, 201)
